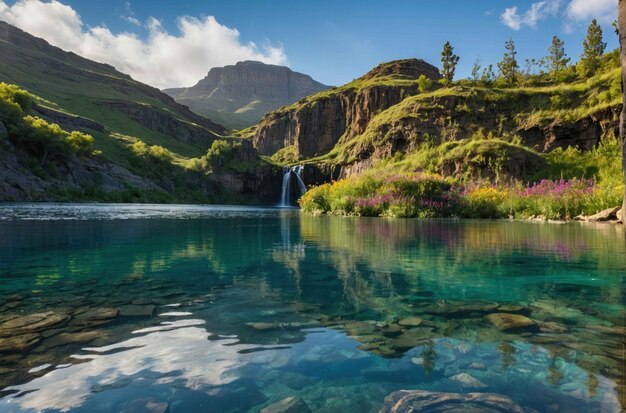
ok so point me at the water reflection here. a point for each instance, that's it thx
(239, 311)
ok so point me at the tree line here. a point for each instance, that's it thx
(556, 64)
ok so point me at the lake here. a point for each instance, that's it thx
(166, 308)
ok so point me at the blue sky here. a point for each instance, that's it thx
(336, 41)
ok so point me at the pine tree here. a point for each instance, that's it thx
(476, 70)
(557, 59)
(488, 74)
(449, 61)
(508, 66)
(593, 48)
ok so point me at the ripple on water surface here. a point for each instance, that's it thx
(236, 309)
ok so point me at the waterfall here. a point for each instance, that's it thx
(298, 170)
(285, 197)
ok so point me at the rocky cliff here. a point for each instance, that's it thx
(239, 95)
(317, 123)
(464, 113)
(384, 113)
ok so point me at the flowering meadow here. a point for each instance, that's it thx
(432, 196)
(574, 182)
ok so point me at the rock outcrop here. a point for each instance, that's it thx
(406, 401)
(4, 132)
(316, 124)
(182, 130)
(18, 183)
(462, 114)
(383, 113)
(239, 95)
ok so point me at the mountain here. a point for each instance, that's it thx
(315, 124)
(101, 94)
(239, 95)
(146, 146)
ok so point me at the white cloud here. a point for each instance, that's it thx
(162, 59)
(130, 16)
(511, 19)
(132, 20)
(586, 10)
(538, 11)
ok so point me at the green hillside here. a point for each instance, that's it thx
(69, 83)
(142, 145)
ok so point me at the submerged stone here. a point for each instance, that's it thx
(511, 308)
(263, 326)
(288, 405)
(405, 401)
(510, 322)
(552, 327)
(74, 338)
(95, 316)
(477, 366)
(465, 380)
(137, 310)
(18, 343)
(31, 323)
(391, 330)
(410, 322)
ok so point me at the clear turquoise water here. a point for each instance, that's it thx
(255, 305)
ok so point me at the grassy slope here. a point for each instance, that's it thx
(67, 82)
(525, 106)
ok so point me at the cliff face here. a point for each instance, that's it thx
(240, 94)
(316, 124)
(438, 119)
(384, 113)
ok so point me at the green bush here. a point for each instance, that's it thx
(424, 84)
(47, 141)
(81, 143)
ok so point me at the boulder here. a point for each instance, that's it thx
(619, 215)
(408, 401)
(510, 322)
(288, 405)
(609, 214)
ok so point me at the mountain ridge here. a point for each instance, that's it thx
(240, 94)
(84, 87)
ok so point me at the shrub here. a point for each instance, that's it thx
(221, 153)
(81, 143)
(160, 154)
(152, 153)
(45, 140)
(14, 102)
(484, 202)
(424, 84)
